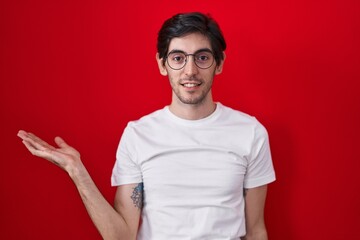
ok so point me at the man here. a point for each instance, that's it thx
(192, 170)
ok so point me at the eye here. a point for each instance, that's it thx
(203, 56)
(177, 57)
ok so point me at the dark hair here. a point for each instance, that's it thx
(186, 23)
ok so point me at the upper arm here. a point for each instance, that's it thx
(254, 212)
(128, 203)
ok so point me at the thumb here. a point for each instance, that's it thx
(60, 142)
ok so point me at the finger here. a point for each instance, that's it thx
(22, 134)
(34, 137)
(61, 143)
(44, 153)
(65, 148)
(37, 142)
(51, 155)
(29, 146)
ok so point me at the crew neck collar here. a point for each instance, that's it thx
(196, 122)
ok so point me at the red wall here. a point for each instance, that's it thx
(82, 70)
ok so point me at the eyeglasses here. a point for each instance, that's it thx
(203, 59)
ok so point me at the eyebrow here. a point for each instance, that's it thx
(197, 51)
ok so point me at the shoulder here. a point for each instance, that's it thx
(149, 120)
(232, 114)
(233, 117)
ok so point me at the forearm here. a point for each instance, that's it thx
(107, 220)
(259, 235)
(254, 213)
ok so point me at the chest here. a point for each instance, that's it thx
(193, 164)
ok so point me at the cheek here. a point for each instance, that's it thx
(171, 80)
(209, 76)
(173, 76)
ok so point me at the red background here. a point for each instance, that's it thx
(82, 70)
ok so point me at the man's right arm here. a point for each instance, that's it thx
(118, 222)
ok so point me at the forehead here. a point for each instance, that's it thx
(190, 43)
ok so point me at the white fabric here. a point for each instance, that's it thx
(194, 172)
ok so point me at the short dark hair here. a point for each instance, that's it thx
(185, 23)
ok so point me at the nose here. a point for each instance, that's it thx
(190, 67)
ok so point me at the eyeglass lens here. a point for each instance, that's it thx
(177, 60)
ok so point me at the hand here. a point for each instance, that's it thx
(64, 156)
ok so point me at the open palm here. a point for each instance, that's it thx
(63, 155)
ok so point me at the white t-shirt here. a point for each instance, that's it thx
(194, 172)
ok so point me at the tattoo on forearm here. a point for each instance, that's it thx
(137, 195)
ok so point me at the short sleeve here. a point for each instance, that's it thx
(126, 169)
(260, 170)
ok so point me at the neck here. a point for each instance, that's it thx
(192, 111)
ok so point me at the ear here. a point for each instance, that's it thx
(162, 68)
(219, 68)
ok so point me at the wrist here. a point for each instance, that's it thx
(77, 172)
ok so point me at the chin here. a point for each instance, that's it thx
(193, 101)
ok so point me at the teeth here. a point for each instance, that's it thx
(190, 85)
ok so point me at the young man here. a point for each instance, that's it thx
(192, 170)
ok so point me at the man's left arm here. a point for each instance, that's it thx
(254, 213)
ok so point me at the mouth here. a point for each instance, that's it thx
(190, 85)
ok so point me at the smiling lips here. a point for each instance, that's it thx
(191, 85)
